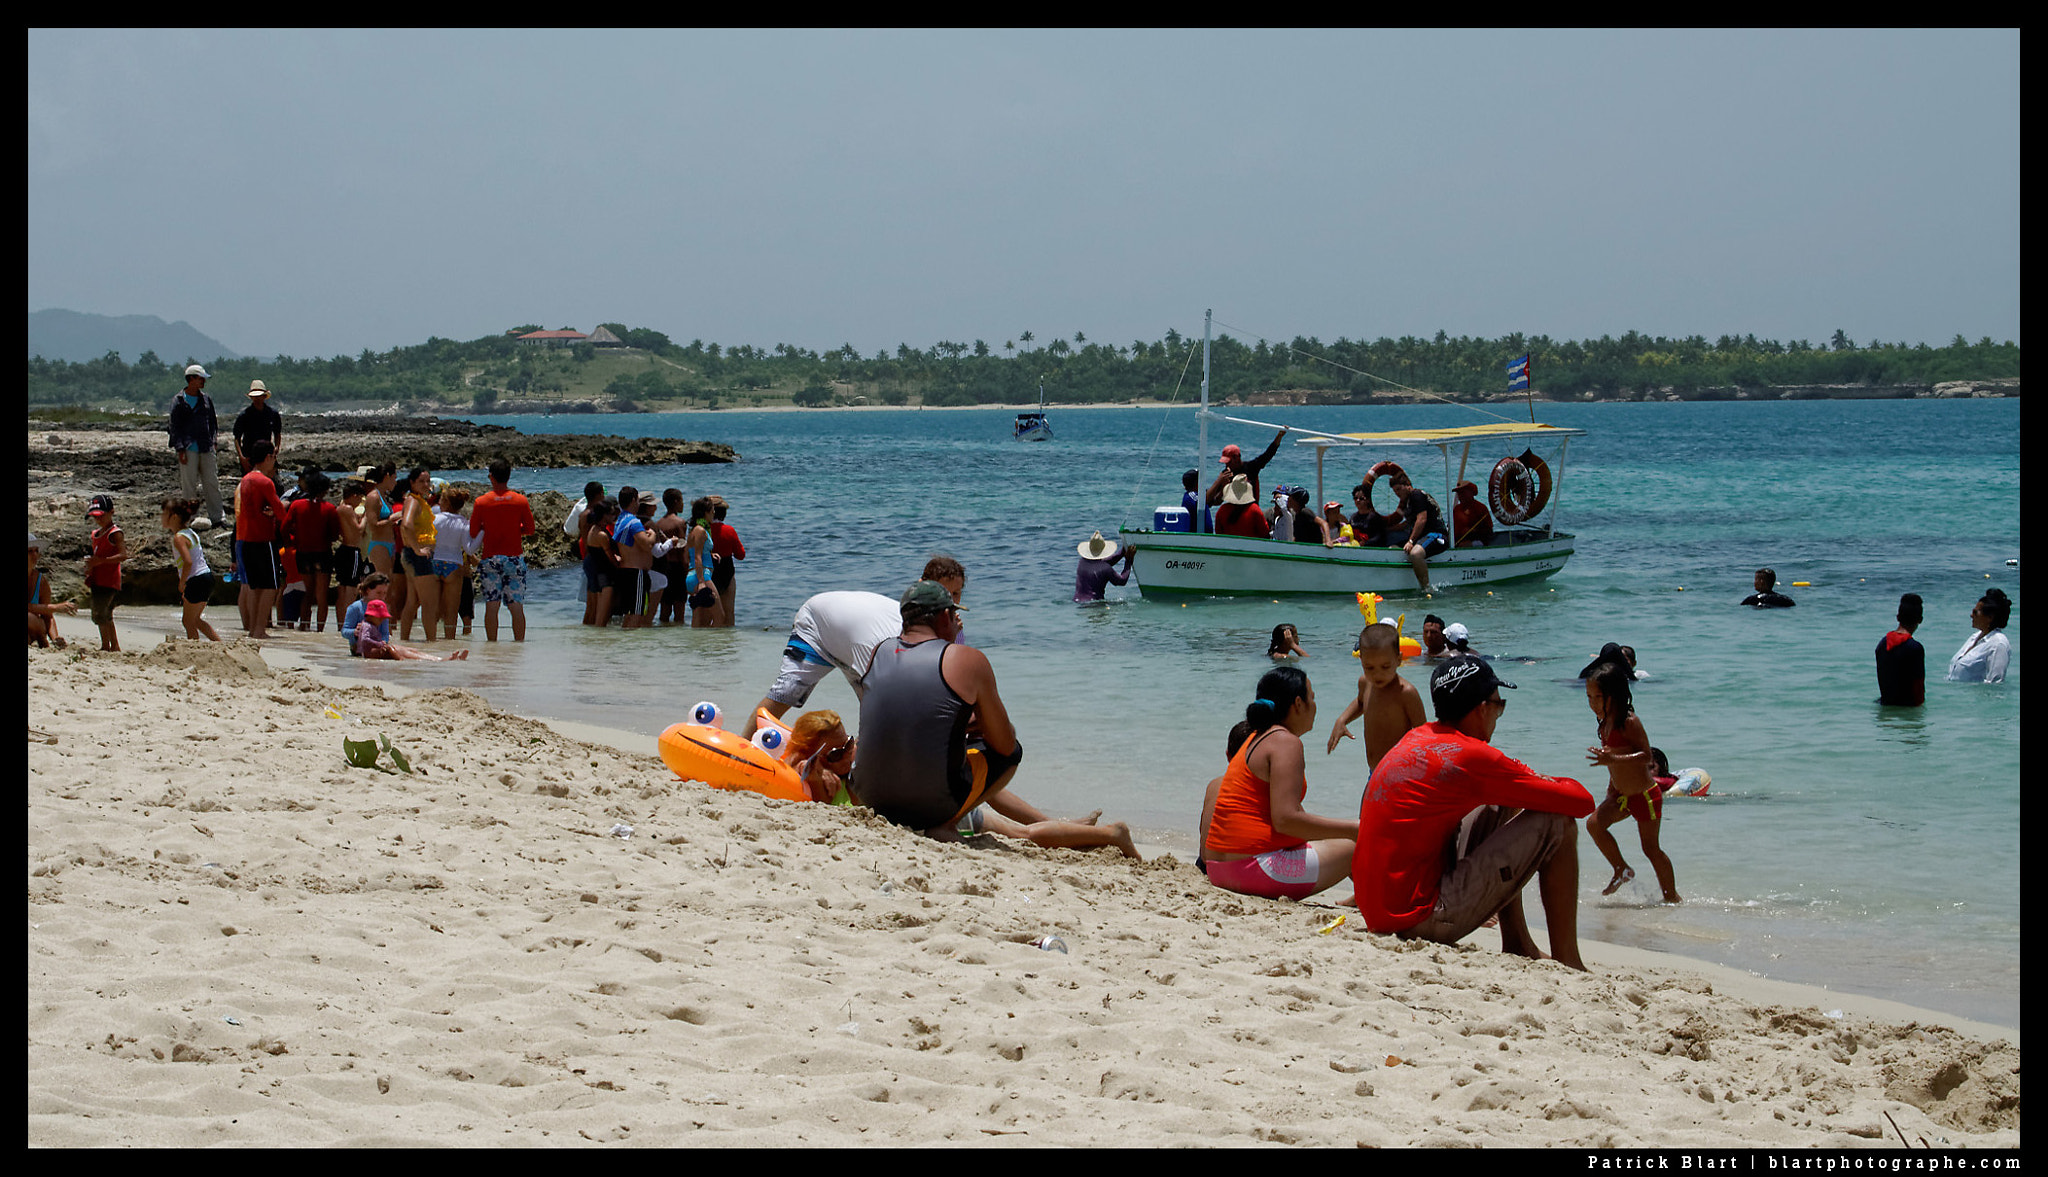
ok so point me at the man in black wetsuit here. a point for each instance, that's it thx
(1763, 597)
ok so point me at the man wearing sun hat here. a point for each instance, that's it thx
(1098, 567)
(1240, 514)
(1235, 465)
(1441, 846)
(194, 429)
(258, 422)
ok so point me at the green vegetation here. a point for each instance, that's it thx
(496, 373)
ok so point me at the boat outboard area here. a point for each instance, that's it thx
(1507, 522)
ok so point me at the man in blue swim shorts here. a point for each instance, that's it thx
(1428, 534)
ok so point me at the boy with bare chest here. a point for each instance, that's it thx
(1389, 704)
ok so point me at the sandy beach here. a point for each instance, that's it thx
(237, 938)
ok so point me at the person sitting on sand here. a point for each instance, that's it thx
(375, 586)
(1764, 597)
(373, 638)
(1260, 840)
(1286, 644)
(42, 611)
(1631, 789)
(922, 693)
(1389, 704)
(1412, 822)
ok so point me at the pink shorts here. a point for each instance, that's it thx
(1276, 874)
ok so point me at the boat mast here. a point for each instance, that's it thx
(1202, 445)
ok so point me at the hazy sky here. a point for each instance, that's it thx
(315, 193)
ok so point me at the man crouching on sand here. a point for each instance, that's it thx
(1451, 828)
(918, 768)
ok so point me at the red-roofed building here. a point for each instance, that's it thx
(561, 338)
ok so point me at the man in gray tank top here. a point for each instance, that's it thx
(918, 766)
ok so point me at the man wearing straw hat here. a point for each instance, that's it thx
(1098, 568)
(258, 422)
(1240, 514)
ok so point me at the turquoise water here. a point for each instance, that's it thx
(1869, 849)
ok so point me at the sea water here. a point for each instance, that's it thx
(1867, 848)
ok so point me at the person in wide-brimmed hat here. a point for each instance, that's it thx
(1240, 514)
(1098, 567)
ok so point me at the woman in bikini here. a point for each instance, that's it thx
(1625, 751)
(1260, 841)
(380, 530)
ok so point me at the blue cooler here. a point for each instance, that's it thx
(1171, 519)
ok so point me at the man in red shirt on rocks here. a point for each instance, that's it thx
(1450, 828)
(504, 519)
(258, 511)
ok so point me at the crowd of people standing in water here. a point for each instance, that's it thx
(646, 561)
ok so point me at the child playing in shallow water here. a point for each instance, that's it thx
(373, 638)
(1389, 703)
(1631, 789)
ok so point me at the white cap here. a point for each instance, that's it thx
(196, 370)
(1456, 632)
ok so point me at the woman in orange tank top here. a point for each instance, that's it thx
(1257, 839)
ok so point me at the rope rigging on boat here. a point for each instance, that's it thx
(1138, 487)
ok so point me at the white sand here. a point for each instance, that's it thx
(465, 955)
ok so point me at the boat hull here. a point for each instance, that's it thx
(1179, 563)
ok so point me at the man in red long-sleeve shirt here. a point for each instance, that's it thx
(1413, 820)
(257, 513)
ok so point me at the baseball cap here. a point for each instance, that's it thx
(1456, 634)
(927, 596)
(1231, 451)
(196, 370)
(1460, 684)
(100, 505)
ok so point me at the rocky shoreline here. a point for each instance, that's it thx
(67, 465)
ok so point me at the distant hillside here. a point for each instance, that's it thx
(77, 337)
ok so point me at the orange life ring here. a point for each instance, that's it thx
(1373, 475)
(1539, 472)
(719, 758)
(1509, 491)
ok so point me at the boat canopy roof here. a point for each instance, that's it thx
(1501, 431)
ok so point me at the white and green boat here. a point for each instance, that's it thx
(1520, 485)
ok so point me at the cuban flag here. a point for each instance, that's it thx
(1518, 374)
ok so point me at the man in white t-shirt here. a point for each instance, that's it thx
(836, 630)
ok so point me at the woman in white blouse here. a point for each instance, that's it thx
(1983, 657)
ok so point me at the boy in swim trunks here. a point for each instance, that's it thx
(1390, 704)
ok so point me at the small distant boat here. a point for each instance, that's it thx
(1034, 426)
